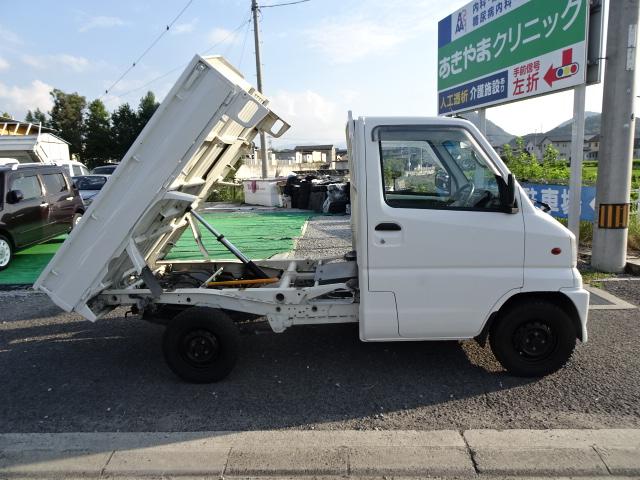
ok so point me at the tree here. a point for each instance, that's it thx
(37, 117)
(67, 117)
(97, 135)
(124, 129)
(6, 115)
(550, 154)
(146, 109)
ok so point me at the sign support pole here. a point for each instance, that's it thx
(482, 121)
(577, 156)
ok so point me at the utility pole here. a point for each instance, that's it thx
(613, 187)
(256, 39)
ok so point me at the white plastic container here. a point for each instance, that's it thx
(262, 192)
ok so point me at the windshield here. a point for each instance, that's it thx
(89, 183)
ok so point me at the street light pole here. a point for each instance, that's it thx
(256, 39)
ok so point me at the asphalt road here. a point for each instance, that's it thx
(61, 373)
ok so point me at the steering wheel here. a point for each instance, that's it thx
(464, 193)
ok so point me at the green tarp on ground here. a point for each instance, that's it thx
(27, 264)
(257, 234)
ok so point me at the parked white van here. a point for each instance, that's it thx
(468, 258)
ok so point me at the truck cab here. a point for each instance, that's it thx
(446, 244)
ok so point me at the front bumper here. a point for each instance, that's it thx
(580, 299)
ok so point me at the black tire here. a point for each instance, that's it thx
(533, 338)
(6, 252)
(201, 345)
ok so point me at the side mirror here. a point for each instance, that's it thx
(507, 193)
(443, 182)
(14, 196)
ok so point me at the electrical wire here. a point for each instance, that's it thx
(244, 44)
(283, 4)
(231, 34)
(153, 44)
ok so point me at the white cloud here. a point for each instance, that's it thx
(187, 27)
(313, 118)
(7, 35)
(221, 36)
(101, 22)
(17, 100)
(345, 44)
(377, 26)
(77, 64)
(3, 64)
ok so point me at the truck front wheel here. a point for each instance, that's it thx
(533, 338)
(201, 345)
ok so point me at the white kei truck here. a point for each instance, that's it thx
(446, 244)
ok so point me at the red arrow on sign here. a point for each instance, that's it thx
(568, 68)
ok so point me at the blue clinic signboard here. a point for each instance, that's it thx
(557, 197)
(489, 89)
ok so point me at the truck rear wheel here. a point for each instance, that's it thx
(201, 345)
(533, 338)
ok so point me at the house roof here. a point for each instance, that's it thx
(8, 126)
(314, 147)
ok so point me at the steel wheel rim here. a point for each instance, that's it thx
(535, 341)
(199, 348)
(5, 253)
(78, 218)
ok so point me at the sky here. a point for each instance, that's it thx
(321, 58)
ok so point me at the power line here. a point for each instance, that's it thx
(231, 34)
(153, 44)
(283, 4)
(160, 77)
(244, 44)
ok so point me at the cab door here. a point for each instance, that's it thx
(61, 203)
(27, 218)
(439, 238)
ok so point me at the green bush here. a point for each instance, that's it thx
(227, 193)
(526, 167)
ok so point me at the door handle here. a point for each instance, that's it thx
(388, 227)
(69, 198)
(45, 204)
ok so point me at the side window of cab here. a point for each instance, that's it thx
(436, 168)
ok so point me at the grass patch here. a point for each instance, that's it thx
(592, 277)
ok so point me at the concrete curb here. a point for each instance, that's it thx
(448, 453)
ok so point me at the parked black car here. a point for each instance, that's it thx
(37, 203)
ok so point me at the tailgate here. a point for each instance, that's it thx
(206, 123)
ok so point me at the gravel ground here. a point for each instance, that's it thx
(628, 290)
(62, 373)
(324, 237)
